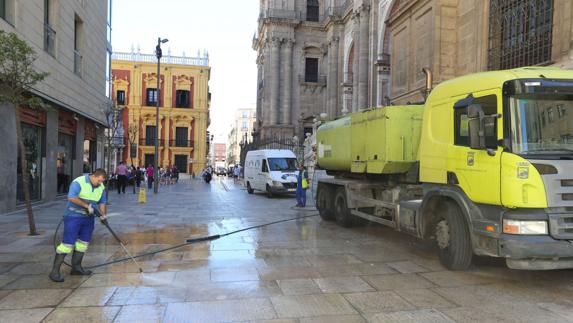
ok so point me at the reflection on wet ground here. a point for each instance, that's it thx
(305, 270)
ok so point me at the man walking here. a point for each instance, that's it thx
(86, 193)
(149, 172)
(121, 172)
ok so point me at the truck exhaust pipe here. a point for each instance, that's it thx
(429, 82)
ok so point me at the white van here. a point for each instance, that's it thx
(271, 170)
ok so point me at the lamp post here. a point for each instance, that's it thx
(158, 53)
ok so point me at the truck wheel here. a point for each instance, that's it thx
(341, 211)
(453, 238)
(269, 192)
(324, 202)
(249, 188)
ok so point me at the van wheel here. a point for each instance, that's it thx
(249, 188)
(269, 192)
(453, 238)
(341, 211)
(324, 202)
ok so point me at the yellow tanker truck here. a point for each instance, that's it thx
(483, 167)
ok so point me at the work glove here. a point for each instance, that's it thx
(90, 209)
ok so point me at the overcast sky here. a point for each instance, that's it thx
(224, 27)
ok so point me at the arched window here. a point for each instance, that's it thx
(312, 10)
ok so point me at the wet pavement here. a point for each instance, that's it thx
(305, 270)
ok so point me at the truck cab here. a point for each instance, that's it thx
(273, 171)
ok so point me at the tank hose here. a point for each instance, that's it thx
(187, 242)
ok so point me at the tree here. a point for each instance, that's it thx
(17, 77)
(132, 131)
(111, 113)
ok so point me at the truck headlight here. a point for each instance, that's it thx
(525, 227)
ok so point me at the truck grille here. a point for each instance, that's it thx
(561, 226)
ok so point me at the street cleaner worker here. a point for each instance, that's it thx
(86, 193)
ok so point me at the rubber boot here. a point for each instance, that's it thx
(77, 268)
(56, 275)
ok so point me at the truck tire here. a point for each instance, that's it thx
(249, 188)
(341, 211)
(269, 192)
(453, 238)
(324, 202)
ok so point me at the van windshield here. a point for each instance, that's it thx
(282, 164)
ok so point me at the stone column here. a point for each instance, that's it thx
(79, 157)
(363, 57)
(259, 87)
(355, 65)
(275, 80)
(332, 84)
(49, 178)
(287, 82)
(8, 158)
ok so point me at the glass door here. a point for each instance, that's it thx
(32, 136)
(64, 162)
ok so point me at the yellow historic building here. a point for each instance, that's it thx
(184, 101)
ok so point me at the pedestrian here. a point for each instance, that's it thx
(138, 176)
(122, 173)
(85, 194)
(302, 186)
(149, 171)
(237, 172)
(174, 174)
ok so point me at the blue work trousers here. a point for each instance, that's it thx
(301, 196)
(78, 228)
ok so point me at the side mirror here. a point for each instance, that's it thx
(476, 126)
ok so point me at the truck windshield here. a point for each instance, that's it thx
(542, 125)
(282, 164)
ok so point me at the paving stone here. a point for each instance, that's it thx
(279, 273)
(331, 319)
(407, 267)
(394, 282)
(193, 275)
(311, 305)
(146, 295)
(375, 302)
(343, 285)
(6, 279)
(43, 282)
(426, 316)
(83, 297)
(457, 278)
(502, 312)
(360, 269)
(31, 268)
(298, 286)
(24, 316)
(36, 298)
(231, 290)
(120, 279)
(4, 293)
(323, 260)
(424, 298)
(220, 311)
(234, 274)
(83, 314)
(141, 313)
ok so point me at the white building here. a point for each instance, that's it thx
(241, 130)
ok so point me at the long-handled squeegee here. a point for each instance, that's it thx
(106, 224)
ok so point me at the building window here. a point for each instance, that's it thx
(311, 70)
(520, 33)
(49, 32)
(78, 30)
(312, 10)
(120, 97)
(151, 97)
(7, 11)
(244, 125)
(3, 9)
(245, 115)
(181, 135)
(149, 136)
(182, 99)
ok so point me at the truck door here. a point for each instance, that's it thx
(477, 172)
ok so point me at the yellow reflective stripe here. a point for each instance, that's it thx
(64, 248)
(81, 246)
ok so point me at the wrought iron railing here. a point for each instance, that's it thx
(150, 142)
(77, 62)
(182, 143)
(49, 39)
(168, 59)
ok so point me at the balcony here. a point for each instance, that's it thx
(150, 142)
(78, 62)
(49, 40)
(151, 58)
(319, 80)
(182, 143)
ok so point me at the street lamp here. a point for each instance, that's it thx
(158, 53)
